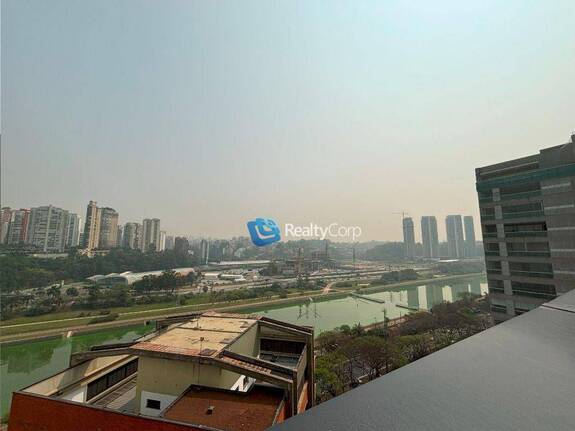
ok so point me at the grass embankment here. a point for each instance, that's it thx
(127, 315)
(377, 287)
(52, 324)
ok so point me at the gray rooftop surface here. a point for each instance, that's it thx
(519, 375)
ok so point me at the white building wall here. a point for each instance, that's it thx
(78, 394)
(164, 399)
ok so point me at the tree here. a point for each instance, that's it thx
(145, 285)
(168, 280)
(55, 293)
(418, 323)
(72, 291)
(25, 272)
(93, 295)
(346, 329)
(460, 267)
(357, 330)
(9, 303)
(270, 270)
(390, 251)
(320, 283)
(330, 341)
(329, 376)
(397, 276)
(377, 354)
(120, 296)
(412, 347)
(193, 276)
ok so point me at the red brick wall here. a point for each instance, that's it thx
(36, 413)
(303, 399)
(282, 414)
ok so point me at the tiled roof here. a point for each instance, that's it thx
(205, 335)
(153, 347)
(246, 365)
(260, 368)
(211, 313)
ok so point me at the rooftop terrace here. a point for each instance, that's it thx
(206, 335)
(229, 411)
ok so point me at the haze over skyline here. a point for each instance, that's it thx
(208, 114)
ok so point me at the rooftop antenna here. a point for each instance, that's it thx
(403, 214)
(200, 361)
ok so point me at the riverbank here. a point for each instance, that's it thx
(49, 328)
(382, 287)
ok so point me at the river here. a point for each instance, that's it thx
(22, 364)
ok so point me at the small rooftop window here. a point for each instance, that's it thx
(153, 404)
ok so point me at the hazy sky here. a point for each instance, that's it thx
(208, 113)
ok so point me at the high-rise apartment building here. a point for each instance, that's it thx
(169, 242)
(429, 236)
(131, 235)
(18, 227)
(527, 208)
(92, 226)
(108, 228)
(455, 240)
(150, 235)
(204, 251)
(162, 244)
(408, 238)
(470, 242)
(47, 228)
(181, 245)
(120, 237)
(5, 216)
(73, 231)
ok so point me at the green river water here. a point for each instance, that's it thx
(22, 364)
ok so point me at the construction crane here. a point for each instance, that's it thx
(403, 214)
(299, 262)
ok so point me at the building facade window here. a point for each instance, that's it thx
(153, 404)
(105, 382)
(495, 286)
(531, 269)
(525, 229)
(533, 289)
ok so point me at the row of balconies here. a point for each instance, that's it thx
(522, 234)
(519, 253)
(510, 196)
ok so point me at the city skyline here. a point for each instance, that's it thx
(223, 114)
(99, 212)
(287, 215)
